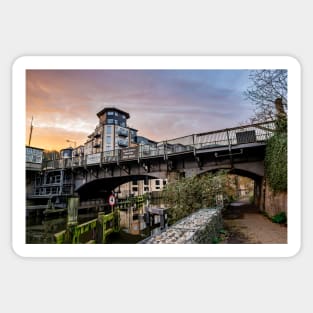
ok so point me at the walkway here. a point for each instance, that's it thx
(246, 225)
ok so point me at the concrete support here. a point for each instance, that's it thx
(72, 211)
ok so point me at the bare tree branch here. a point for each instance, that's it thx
(266, 86)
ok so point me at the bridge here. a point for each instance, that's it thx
(240, 149)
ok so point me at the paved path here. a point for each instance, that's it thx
(250, 226)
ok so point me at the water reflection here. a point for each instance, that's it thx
(135, 223)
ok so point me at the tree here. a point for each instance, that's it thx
(266, 87)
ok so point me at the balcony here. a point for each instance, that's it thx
(123, 143)
(122, 132)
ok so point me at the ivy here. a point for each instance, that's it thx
(276, 161)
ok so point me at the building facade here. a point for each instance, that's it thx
(111, 132)
(140, 187)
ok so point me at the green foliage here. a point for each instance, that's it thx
(280, 218)
(188, 195)
(281, 125)
(215, 240)
(276, 161)
(251, 198)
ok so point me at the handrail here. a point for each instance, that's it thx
(227, 137)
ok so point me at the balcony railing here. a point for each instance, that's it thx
(122, 132)
(122, 142)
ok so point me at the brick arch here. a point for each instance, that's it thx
(258, 180)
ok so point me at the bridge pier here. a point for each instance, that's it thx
(271, 202)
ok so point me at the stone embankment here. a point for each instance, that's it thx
(202, 226)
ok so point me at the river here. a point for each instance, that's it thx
(133, 226)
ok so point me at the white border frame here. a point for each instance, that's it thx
(156, 62)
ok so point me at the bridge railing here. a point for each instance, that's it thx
(226, 137)
(237, 135)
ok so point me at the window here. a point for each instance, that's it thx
(123, 117)
(157, 183)
(110, 113)
(108, 140)
(146, 188)
(110, 121)
(135, 189)
(116, 113)
(135, 182)
(109, 130)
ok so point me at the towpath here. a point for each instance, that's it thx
(244, 224)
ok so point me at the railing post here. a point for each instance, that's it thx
(228, 140)
(165, 149)
(193, 143)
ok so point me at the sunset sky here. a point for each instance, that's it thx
(162, 104)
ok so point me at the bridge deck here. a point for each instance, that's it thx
(232, 138)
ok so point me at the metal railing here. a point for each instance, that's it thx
(226, 137)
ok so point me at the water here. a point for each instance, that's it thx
(40, 229)
(132, 223)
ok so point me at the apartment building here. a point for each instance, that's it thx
(140, 187)
(111, 132)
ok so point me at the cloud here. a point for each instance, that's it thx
(161, 103)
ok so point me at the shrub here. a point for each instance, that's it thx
(280, 218)
(188, 195)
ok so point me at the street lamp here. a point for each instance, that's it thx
(74, 142)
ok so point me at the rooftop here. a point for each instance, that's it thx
(112, 109)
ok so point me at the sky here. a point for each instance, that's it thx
(163, 104)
